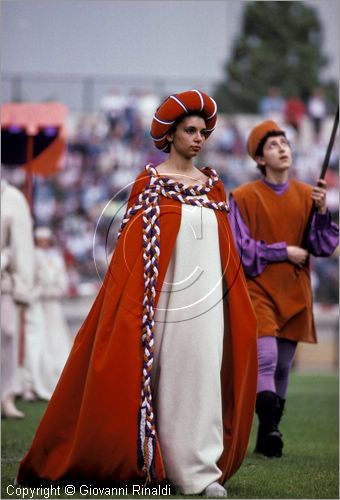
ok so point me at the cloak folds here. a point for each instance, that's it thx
(90, 429)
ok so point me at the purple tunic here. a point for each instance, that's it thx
(322, 240)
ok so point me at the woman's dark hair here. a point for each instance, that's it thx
(259, 150)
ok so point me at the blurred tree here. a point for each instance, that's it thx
(280, 45)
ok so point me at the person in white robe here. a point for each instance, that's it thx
(17, 258)
(48, 339)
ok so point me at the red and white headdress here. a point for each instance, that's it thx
(177, 105)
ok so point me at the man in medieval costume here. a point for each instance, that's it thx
(269, 218)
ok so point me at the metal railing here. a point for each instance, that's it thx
(80, 92)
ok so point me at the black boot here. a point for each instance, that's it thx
(269, 439)
(279, 410)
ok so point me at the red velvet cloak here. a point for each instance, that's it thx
(90, 429)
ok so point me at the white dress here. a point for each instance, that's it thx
(189, 333)
(48, 341)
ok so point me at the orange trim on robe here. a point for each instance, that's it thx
(282, 293)
(90, 429)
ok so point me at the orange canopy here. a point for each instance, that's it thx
(32, 117)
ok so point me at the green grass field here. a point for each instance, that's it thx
(308, 468)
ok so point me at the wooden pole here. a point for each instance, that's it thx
(330, 146)
(324, 168)
(29, 173)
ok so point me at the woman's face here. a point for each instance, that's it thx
(189, 136)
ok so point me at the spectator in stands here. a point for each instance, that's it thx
(317, 111)
(272, 105)
(113, 105)
(294, 113)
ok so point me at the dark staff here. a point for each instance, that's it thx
(324, 168)
(330, 146)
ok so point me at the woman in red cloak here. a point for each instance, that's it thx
(161, 381)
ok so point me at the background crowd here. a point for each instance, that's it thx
(84, 203)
